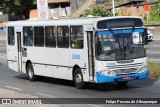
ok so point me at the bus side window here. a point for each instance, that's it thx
(76, 37)
(39, 36)
(50, 36)
(28, 36)
(63, 37)
(11, 36)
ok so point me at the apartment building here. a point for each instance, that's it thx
(60, 8)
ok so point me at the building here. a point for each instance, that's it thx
(3, 16)
(129, 7)
(60, 8)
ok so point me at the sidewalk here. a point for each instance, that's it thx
(6, 93)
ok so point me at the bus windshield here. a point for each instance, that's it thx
(121, 44)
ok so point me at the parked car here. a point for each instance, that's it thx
(150, 36)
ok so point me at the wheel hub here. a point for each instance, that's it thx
(30, 73)
(78, 78)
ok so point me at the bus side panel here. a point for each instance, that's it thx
(79, 57)
(64, 70)
(49, 67)
(12, 54)
(44, 60)
(35, 54)
(12, 58)
(24, 67)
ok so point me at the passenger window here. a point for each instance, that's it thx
(50, 36)
(76, 37)
(11, 36)
(63, 37)
(28, 36)
(39, 36)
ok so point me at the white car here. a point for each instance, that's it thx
(150, 35)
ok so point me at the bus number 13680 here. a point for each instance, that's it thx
(76, 56)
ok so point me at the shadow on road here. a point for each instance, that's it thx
(93, 86)
(114, 86)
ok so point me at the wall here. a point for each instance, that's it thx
(75, 4)
(132, 11)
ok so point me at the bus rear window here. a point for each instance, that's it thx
(11, 37)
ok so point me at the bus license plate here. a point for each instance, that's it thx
(126, 78)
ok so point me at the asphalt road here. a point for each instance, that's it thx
(153, 50)
(57, 88)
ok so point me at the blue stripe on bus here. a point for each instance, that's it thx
(119, 31)
(104, 79)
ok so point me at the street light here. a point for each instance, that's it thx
(113, 8)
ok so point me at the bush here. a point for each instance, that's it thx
(154, 70)
(97, 10)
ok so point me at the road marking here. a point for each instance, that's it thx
(47, 95)
(153, 45)
(153, 52)
(15, 88)
(154, 59)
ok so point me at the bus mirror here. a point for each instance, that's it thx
(145, 37)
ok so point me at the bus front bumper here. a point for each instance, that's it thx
(104, 79)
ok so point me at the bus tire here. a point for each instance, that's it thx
(78, 79)
(122, 83)
(30, 72)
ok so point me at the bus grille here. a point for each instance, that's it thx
(125, 71)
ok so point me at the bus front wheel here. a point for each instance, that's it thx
(30, 72)
(78, 79)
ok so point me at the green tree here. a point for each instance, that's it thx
(100, 10)
(20, 7)
(87, 12)
(97, 10)
(9, 5)
(155, 13)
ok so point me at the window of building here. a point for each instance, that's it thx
(50, 36)
(39, 36)
(76, 37)
(63, 37)
(28, 36)
(11, 36)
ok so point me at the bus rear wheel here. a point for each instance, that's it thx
(30, 72)
(78, 79)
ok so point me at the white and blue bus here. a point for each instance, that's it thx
(98, 50)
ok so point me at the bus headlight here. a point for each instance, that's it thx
(142, 69)
(107, 73)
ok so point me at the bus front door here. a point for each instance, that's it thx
(19, 50)
(90, 40)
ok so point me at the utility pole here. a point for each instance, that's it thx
(113, 8)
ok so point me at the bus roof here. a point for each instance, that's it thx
(62, 22)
